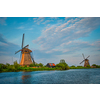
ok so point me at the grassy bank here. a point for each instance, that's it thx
(39, 67)
(82, 67)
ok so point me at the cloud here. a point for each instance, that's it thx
(2, 20)
(38, 20)
(21, 27)
(62, 39)
(46, 21)
(7, 48)
(73, 29)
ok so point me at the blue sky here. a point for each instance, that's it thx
(51, 38)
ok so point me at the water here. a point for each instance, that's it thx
(72, 76)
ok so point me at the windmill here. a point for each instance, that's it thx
(26, 56)
(86, 61)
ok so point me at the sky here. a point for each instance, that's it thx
(51, 39)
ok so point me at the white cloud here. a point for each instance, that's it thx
(38, 20)
(56, 35)
(3, 44)
(62, 39)
(21, 27)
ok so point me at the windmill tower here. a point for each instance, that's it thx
(86, 61)
(26, 57)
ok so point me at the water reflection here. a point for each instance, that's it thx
(26, 78)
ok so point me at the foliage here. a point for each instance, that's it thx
(44, 66)
(25, 66)
(7, 64)
(40, 64)
(62, 61)
(88, 66)
(94, 65)
(16, 64)
(72, 66)
(32, 65)
(97, 66)
(62, 66)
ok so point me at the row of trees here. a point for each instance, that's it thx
(62, 65)
(16, 67)
(88, 66)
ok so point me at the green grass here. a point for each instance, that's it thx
(61, 66)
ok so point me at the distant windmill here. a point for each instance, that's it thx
(26, 57)
(86, 61)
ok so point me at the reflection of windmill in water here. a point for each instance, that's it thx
(86, 61)
(26, 56)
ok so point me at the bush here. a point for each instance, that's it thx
(32, 65)
(88, 66)
(25, 66)
(63, 66)
(7, 64)
(97, 66)
(80, 66)
(94, 65)
(3, 66)
(16, 64)
(0, 69)
(40, 64)
(73, 66)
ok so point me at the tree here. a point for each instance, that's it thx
(88, 66)
(40, 64)
(16, 64)
(62, 61)
(94, 65)
(72, 66)
(63, 65)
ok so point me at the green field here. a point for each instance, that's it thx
(39, 67)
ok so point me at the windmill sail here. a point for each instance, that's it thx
(32, 58)
(83, 56)
(22, 40)
(82, 61)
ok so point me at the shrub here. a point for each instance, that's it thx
(40, 64)
(3, 66)
(7, 64)
(63, 66)
(88, 66)
(97, 66)
(94, 65)
(0, 69)
(73, 66)
(32, 65)
(25, 66)
(16, 64)
(80, 66)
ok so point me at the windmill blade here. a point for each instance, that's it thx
(26, 46)
(32, 58)
(82, 61)
(83, 56)
(88, 57)
(22, 40)
(20, 58)
(18, 51)
(21, 49)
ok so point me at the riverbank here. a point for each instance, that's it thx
(16, 67)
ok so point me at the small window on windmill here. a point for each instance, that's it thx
(25, 50)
